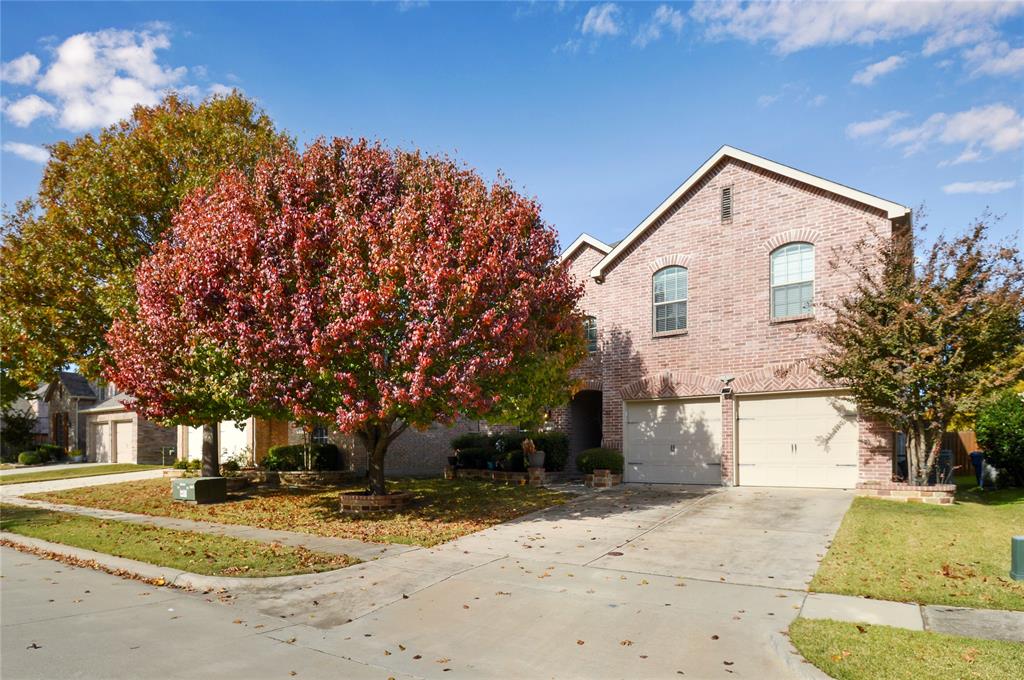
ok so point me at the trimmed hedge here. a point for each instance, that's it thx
(600, 459)
(291, 457)
(29, 458)
(48, 452)
(499, 448)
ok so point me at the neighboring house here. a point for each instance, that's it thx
(117, 435)
(91, 417)
(412, 453)
(66, 397)
(700, 331)
(37, 405)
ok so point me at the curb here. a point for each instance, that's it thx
(170, 577)
(794, 661)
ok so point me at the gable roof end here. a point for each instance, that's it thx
(892, 210)
(584, 240)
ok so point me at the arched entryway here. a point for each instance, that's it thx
(585, 422)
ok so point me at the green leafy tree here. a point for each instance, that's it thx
(1000, 430)
(69, 256)
(16, 431)
(917, 343)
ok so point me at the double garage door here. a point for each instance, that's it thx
(112, 442)
(806, 440)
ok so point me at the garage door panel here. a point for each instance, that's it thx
(674, 442)
(123, 435)
(806, 440)
(101, 442)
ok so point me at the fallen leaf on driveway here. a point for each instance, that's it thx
(580, 642)
(626, 643)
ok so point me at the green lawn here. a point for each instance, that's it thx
(185, 550)
(844, 652)
(911, 552)
(60, 472)
(441, 509)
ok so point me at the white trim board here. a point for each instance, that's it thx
(584, 240)
(892, 210)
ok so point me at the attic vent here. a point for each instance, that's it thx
(726, 204)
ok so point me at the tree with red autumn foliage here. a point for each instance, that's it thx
(373, 288)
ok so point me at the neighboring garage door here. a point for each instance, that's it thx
(123, 435)
(101, 442)
(674, 442)
(797, 440)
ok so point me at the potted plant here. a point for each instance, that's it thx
(76, 456)
(534, 457)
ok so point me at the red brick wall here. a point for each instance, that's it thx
(729, 328)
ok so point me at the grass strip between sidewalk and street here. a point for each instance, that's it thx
(46, 474)
(851, 651)
(440, 510)
(185, 550)
(932, 554)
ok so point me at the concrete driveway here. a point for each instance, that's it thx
(630, 583)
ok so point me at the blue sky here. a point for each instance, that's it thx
(598, 109)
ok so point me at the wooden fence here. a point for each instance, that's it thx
(961, 444)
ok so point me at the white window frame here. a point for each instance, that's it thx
(792, 249)
(320, 435)
(684, 300)
(590, 332)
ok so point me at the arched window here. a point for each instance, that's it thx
(792, 280)
(590, 330)
(670, 295)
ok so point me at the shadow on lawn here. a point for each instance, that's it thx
(968, 492)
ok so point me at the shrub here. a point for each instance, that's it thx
(48, 452)
(474, 457)
(599, 459)
(555, 446)
(470, 440)
(230, 466)
(180, 465)
(1000, 429)
(194, 465)
(323, 457)
(513, 461)
(284, 458)
(76, 453)
(507, 441)
(29, 458)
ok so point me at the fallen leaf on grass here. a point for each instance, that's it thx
(969, 655)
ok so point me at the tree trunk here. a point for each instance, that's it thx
(211, 450)
(376, 438)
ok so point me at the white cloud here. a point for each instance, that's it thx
(981, 187)
(406, 5)
(957, 37)
(996, 127)
(27, 109)
(602, 20)
(868, 74)
(966, 156)
(664, 17)
(994, 59)
(874, 126)
(817, 100)
(99, 77)
(220, 89)
(767, 100)
(793, 26)
(29, 152)
(20, 71)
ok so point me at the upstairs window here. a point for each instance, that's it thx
(590, 331)
(792, 280)
(670, 296)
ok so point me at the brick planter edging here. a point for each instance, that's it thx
(361, 502)
(298, 478)
(936, 494)
(602, 479)
(520, 478)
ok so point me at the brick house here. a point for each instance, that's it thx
(699, 325)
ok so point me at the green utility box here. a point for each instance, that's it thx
(200, 489)
(1017, 558)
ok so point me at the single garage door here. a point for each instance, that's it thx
(674, 442)
(124, 433)
(101, 442)
(797, 440)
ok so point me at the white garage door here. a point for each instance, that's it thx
(124, 432)
(797, 440)
(674, 442)
(101, 442)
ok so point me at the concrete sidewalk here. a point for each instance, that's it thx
(986, 624)
(334, 546)
(44, 468)
(9, 491)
